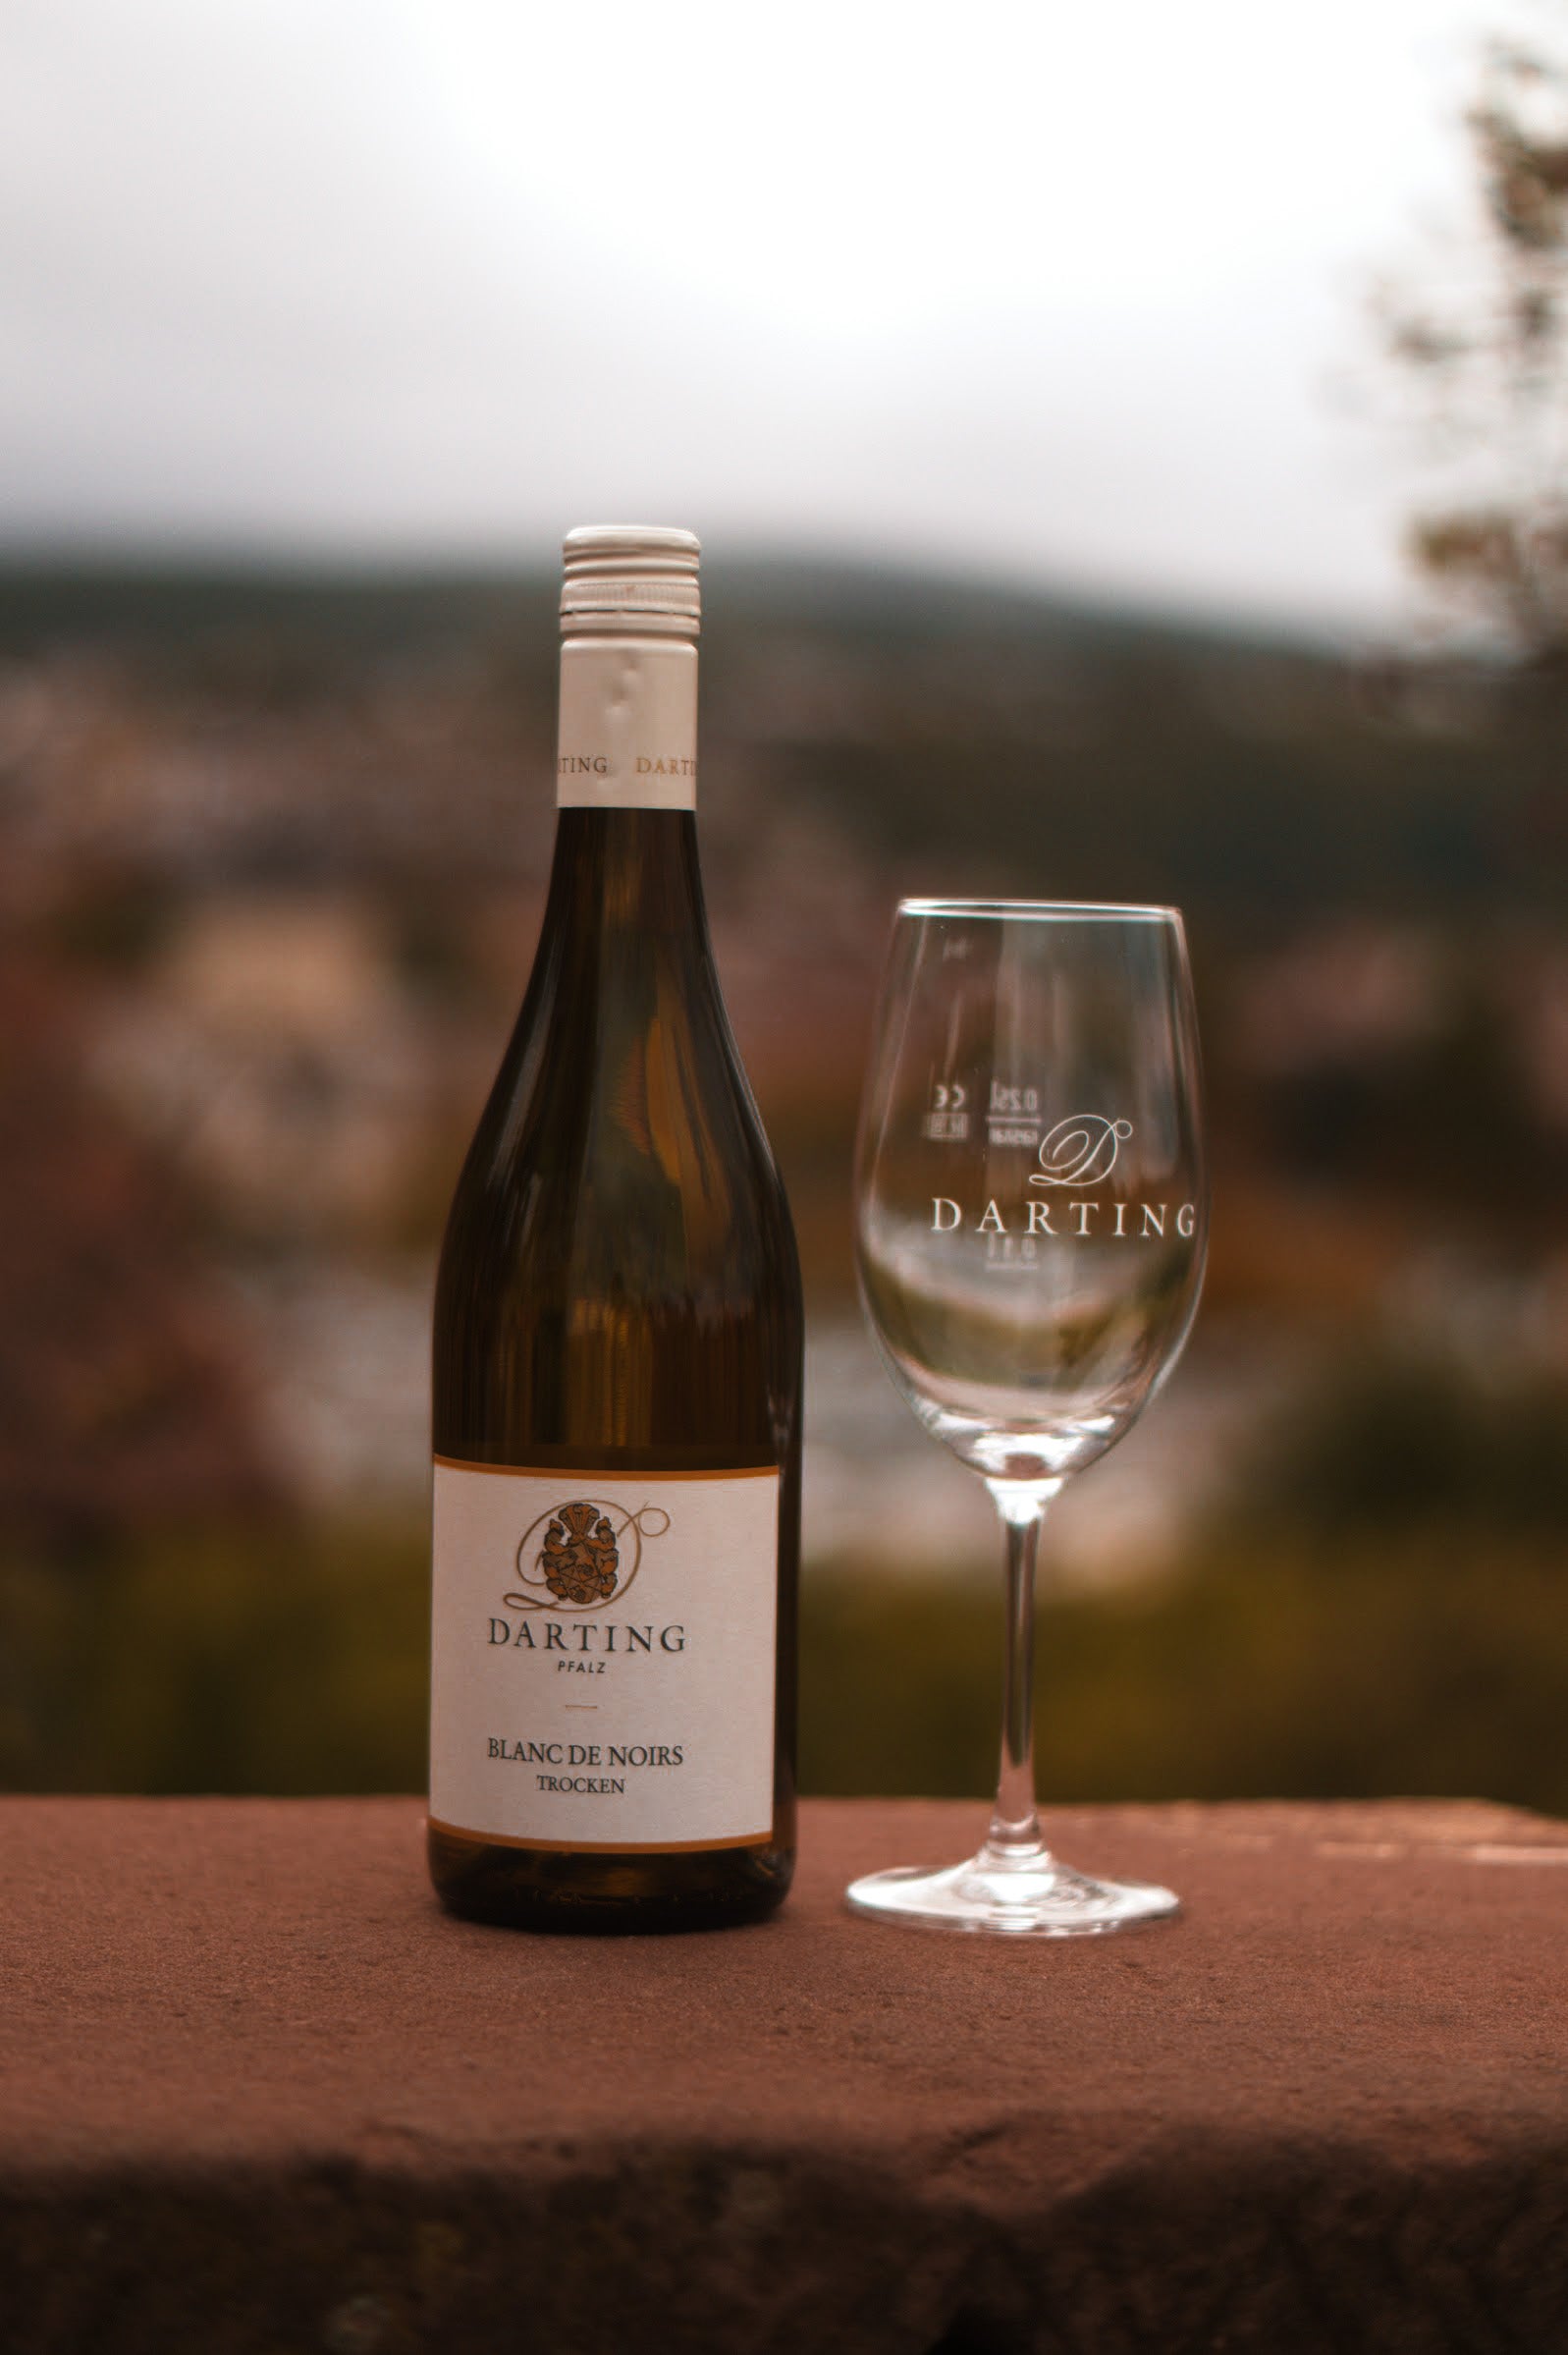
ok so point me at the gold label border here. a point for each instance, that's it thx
(578, 1472)
(601, 1847)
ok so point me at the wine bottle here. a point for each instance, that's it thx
(617, 1361)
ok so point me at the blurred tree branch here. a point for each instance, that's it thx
(1490, 360)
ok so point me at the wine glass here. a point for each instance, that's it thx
(1031, 1221)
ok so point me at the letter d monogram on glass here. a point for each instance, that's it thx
(1080, 1150)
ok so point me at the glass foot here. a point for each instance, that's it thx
(1013, 1896)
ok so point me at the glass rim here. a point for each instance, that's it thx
(1047, 912)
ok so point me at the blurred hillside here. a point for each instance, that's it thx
(272, 858)
(265, 729)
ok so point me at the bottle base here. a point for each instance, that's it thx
(575, 1895)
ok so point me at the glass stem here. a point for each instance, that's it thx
(1014, 1833)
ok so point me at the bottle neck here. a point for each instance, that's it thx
(627, 737)
(625, 883)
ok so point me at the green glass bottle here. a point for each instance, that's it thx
(617, 1349)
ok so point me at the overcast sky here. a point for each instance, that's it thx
(1055, 288)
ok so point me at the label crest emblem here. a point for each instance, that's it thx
(577, 1556)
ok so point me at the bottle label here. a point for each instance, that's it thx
(628, 725)
(602, 1657)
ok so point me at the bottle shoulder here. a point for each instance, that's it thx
(617, 1275)
(625, 1154)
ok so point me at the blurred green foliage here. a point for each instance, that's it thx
(1372, 1623)
(1381, 1669)
(1389, 1439)
(1380, 1610)
(285, 1659)
(1408, 1665)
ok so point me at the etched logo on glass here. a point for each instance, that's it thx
(1080, 1150)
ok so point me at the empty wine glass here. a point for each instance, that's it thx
(1031, 1222)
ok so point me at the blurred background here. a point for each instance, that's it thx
(1129, 448)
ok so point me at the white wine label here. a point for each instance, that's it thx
(628, 725)
(602, 1657)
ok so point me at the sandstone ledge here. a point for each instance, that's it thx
(259, 2095)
